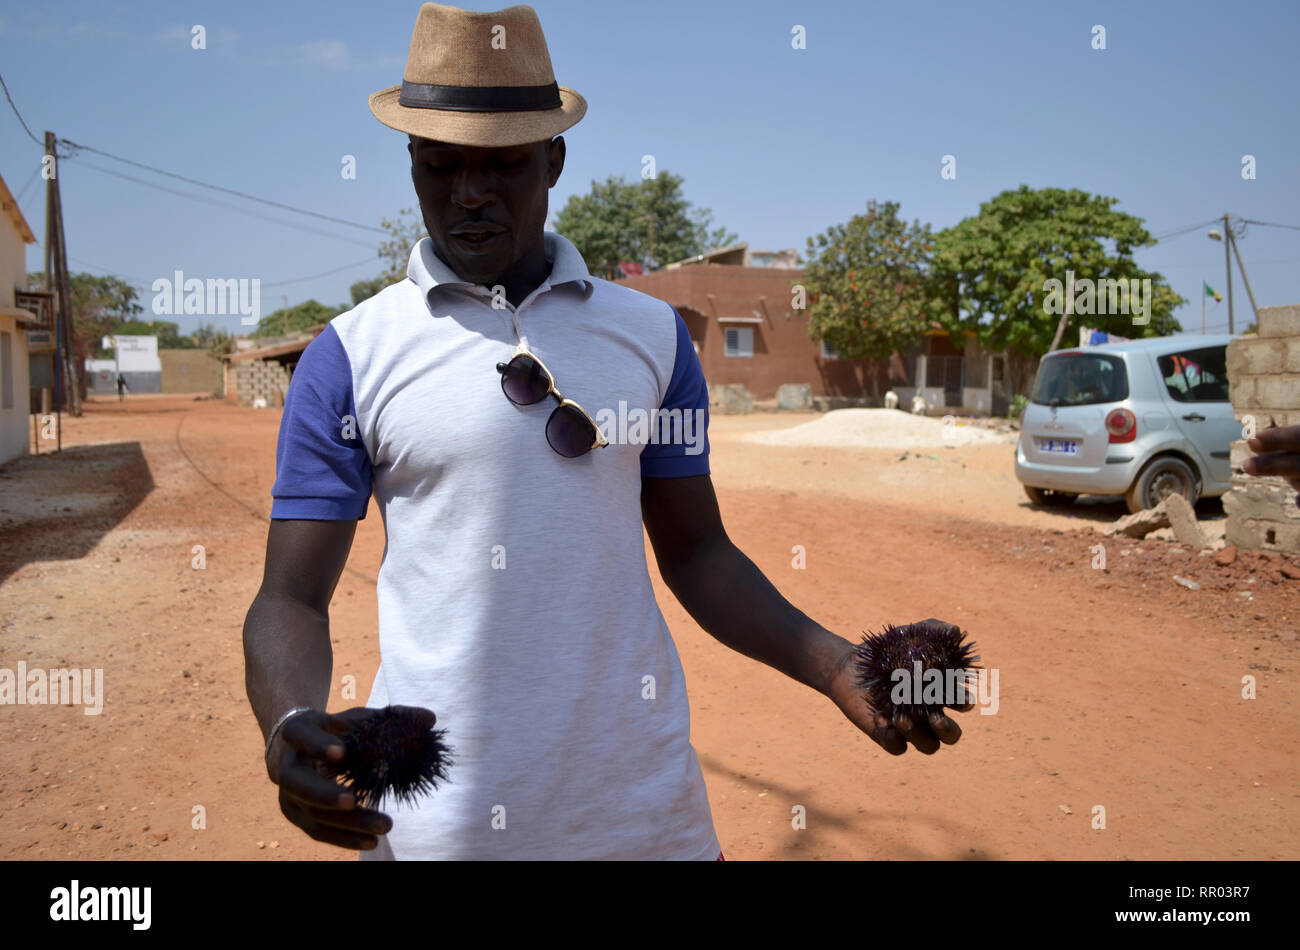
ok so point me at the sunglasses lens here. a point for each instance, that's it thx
(569, 432)
(523, 381)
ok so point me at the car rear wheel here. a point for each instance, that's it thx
(1046, 498)
(1163, 477)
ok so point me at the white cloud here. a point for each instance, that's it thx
(330, 53)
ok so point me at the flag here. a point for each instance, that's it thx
(1211, 292)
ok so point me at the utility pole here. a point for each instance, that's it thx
(1236, 251)
(56, 251)
(1227, 263)
(50, 229)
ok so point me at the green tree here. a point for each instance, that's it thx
(989, 271)
(650, 222)
(100, 304)
(305, 315)
(216, 342)
(168, 333)
(404, 232)
(867, 285)
(365, 289)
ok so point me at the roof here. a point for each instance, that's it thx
(24, 317)
(708, 256)
(9, 205)
(277, 349)
(1189, 340)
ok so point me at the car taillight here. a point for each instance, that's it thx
(1121, 425)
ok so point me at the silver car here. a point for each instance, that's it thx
(1140, 419)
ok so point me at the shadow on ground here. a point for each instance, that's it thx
(58, 507)
(867, 826)
(1105, 509)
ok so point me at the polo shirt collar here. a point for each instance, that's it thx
(567, 266)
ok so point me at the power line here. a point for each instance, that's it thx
(1186, 230)
(134, 282)
(1269, 224)
(228, 191)
(14, 106)
(27, 184)
(1275, 260)
(220, 204)
(298, 280)
(143, 285)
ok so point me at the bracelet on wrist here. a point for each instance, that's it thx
(270, 739)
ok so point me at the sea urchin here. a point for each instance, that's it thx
(895, 669)
(392, 752)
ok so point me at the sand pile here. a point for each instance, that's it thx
(880, 429)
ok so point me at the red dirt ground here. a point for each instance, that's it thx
(1118, 688)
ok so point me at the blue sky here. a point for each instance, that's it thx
(779, 143)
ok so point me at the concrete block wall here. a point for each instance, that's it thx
(1264, 383)
(264, 379)
(189, 371)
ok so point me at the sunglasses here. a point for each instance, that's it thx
(526, 381)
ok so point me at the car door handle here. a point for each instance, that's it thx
(1194, 417)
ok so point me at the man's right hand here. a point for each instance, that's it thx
(298, 762)
(1278, 451)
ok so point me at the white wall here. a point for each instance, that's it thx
(13, 261)
(977, 400)
(15, 423)
(138, 354)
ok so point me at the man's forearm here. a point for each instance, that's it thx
(730, 598)
(288, 660)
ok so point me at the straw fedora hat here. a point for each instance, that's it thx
(481, 79)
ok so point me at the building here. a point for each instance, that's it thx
(738, 306)
(15, 324)
(259, 375)
(136, 359)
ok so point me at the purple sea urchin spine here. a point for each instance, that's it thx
(886, 665)
(393, 752)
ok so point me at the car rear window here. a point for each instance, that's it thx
(1080, 379)
(1196, 375)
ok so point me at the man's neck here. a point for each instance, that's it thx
(525, 275)
(522, 278)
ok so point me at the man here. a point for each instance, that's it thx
(514, 597)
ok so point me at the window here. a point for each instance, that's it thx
(1196, 375)
(740, 341)
(828, 352)
(1080, 379)
(7, 370)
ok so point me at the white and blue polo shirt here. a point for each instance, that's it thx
(514, 596)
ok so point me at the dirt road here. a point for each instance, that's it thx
(1118, 688)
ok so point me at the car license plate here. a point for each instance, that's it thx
(1059, 446)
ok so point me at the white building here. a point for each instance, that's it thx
(137, 360)
(15, 397)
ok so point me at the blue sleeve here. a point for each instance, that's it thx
(686, 411)
(322, 467)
